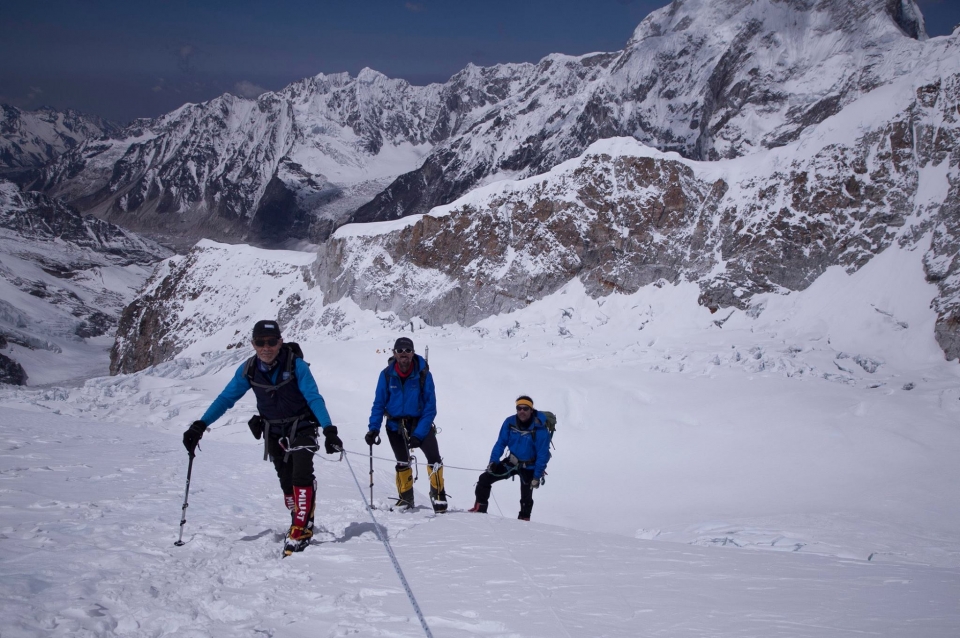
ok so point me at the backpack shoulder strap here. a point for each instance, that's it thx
(249, 370)
(292, 360)
(423, 376)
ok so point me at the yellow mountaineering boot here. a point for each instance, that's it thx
(438, 496)
(404, 486)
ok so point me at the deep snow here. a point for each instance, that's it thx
(824, 429)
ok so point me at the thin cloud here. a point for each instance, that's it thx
(245, 88)
(186, 58)
(415, 7)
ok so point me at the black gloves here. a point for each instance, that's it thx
(331, 442)
(256, 426)
(193, 435)
(372, 437)
(413, 442)
(490, 466)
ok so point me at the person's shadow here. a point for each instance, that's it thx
(352, 530)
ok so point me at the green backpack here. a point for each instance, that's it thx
(550, 424)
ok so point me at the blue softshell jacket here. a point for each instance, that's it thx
(397, 400)
(239, 385)
(530, 444)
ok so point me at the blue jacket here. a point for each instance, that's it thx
(239, 385)
(395, 399)
(530, 444)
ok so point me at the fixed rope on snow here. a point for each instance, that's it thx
(393, 557)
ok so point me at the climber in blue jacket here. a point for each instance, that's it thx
(407, 397)
(526, 436)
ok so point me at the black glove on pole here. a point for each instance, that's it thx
(331, 442)
(372, 438)
(414, 442)
(193, 435)
(183, 516)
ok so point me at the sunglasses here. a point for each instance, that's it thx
(404, 351)
(270, 343)
(523, 408)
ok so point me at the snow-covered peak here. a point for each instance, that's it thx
(708, 79)
(868, 18)
(31, 139)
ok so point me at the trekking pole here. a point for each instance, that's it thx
(183, 517)
(371, 477)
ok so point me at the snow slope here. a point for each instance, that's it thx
(823, 431)
(91, 512)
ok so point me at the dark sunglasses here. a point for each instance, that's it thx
(404, 351)
(523, 408)
(265, 342)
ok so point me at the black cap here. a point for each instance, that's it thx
(403, 342)
(266, 328)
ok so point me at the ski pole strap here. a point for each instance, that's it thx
(393, 557)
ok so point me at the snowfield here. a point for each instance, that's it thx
(788, 472)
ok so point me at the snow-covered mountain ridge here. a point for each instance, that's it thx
(624, 216)
(883, 171)
(32, 139)
(64, 280)
(708, 79)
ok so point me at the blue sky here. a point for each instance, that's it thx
(123, 60)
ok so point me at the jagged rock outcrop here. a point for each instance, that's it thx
(709, 79)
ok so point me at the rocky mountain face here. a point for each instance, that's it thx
(884, 169)
(707, 79)
(30, 140)
(767, 142)
(213, 286)
(287, 165)
(64, 278)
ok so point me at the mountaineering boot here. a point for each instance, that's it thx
(480, 508)
(301, 531)
(438, 496)
(404, 486)
(525, 508)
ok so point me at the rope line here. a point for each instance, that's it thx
(393, 557)
(392, 460)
